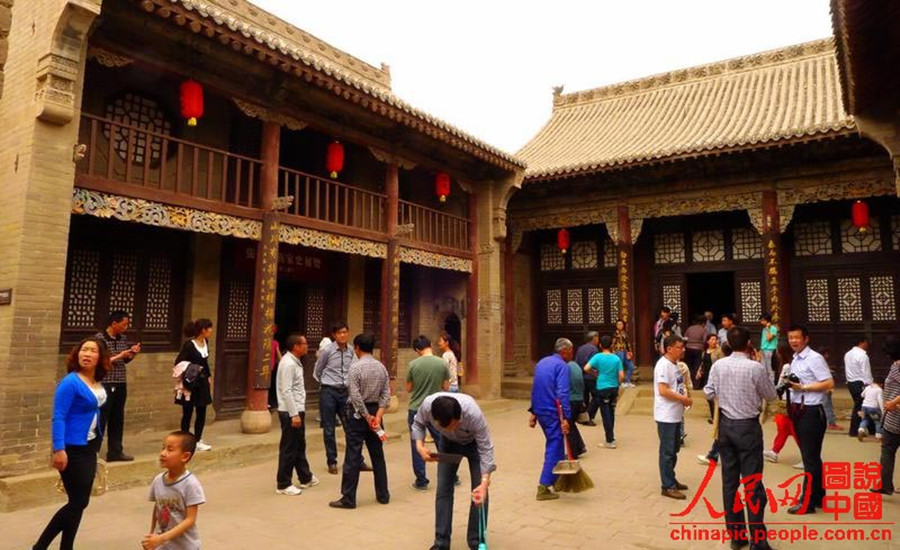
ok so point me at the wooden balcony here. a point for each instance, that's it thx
(131, 161)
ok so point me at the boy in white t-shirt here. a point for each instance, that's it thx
(177, 496)
(670, 400)
(872, 408)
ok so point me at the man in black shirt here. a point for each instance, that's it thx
(584, 353)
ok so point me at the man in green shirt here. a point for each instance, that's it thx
(576, 400)
(427, 374)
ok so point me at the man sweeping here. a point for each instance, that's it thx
(549, 394)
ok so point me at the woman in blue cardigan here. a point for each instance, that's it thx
(76, 436)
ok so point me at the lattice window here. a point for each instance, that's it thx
(84, 275)
(884, 303)
(575, 306)
(746, 244)
(895, 231)
(124, 279)
(553, 303)
(849, 299)
(812, 239)
(240, 295)
(668, 248)
(159, 281)
(853, 240)
(708, 246)
(552, 258)
(610, 254)
(315, 313)
(139, 112)
(818, 305)
(672, 297)
(584, 255)
(613, 304)
(751, 300)
(372, 300)
(595, 306)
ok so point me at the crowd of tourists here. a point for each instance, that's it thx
(719, 365)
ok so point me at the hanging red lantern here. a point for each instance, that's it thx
(191, 101)
(334, 158)
(562, 240)
(442, 186)
(860, 215)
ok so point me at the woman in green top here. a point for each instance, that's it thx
(768, 343)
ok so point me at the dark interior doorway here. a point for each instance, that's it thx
(453, 326)
(289, 310)
(710, 292)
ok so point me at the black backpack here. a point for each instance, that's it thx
(190, 378)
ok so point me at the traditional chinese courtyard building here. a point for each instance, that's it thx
(305, 193)
(727, 187)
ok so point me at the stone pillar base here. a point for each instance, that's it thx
(256, 422)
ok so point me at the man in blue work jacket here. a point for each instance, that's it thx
(549, 394)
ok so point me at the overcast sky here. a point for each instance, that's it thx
(488, 66)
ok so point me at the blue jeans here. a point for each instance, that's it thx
(332, 402)
(669, 443)
(418, 464)
(607, 397)
(628, 364)
(554, 450)
(873, 414)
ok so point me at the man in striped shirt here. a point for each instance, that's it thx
(121, 352)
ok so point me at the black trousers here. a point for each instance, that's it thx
(607, 398)
(443, 501)
(187, 409)
(576, 442)
(292, 451)
(359, 433)
(590, 383)
(810, 424)
(112, 418)
(740, 445)
(856, 389)
(889, 444)
(78, 479)
(332, 402)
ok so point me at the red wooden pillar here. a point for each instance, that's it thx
(775, 270)
(625, 273)
(471, 357)
(390, 274)
(509, 299)
(256, 418)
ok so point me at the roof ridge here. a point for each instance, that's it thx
(765, 59)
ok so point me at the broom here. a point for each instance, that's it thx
(571, 477)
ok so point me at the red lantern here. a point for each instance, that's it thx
(334, 159)
(861, 216)
(562, 240)
(191, 101)
(442, 186)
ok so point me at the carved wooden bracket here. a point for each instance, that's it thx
(262, 113)
(390, 158)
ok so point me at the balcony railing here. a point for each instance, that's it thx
(121, 153)
(435, 227)
(331, 201)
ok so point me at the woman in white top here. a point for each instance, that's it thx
(196, 351)
(445, 344)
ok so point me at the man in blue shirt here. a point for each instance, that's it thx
(549, 393)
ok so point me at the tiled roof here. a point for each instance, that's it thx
(277, 35)
(777, 96)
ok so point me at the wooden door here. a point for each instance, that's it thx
(232, 337)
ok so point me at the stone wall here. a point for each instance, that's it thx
(5, 23)
(522, 345)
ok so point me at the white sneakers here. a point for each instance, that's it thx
(771, 456)
(702, 459)
(290, 491)
(201, 446)
(610, 445)
(861, 434)
(799, 465)
(311, 483)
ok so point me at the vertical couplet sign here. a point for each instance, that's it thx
(267, 275)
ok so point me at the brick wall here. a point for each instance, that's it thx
(5, 23)
(522, 285)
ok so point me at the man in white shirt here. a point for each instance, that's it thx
(727, 324)
(669, 401)
(291, 392)
(858, 373)
(808, 414)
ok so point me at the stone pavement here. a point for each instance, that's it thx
(625, 509)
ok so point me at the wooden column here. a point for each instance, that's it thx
(390, 274)
(774, 274)
(256, 418)
(509, 299)
(471, 360)
(625, 273)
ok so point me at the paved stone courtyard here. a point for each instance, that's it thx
(625, 509)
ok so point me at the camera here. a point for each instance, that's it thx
(785, 383)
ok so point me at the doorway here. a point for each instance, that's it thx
(710, 292)
(290, 313)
